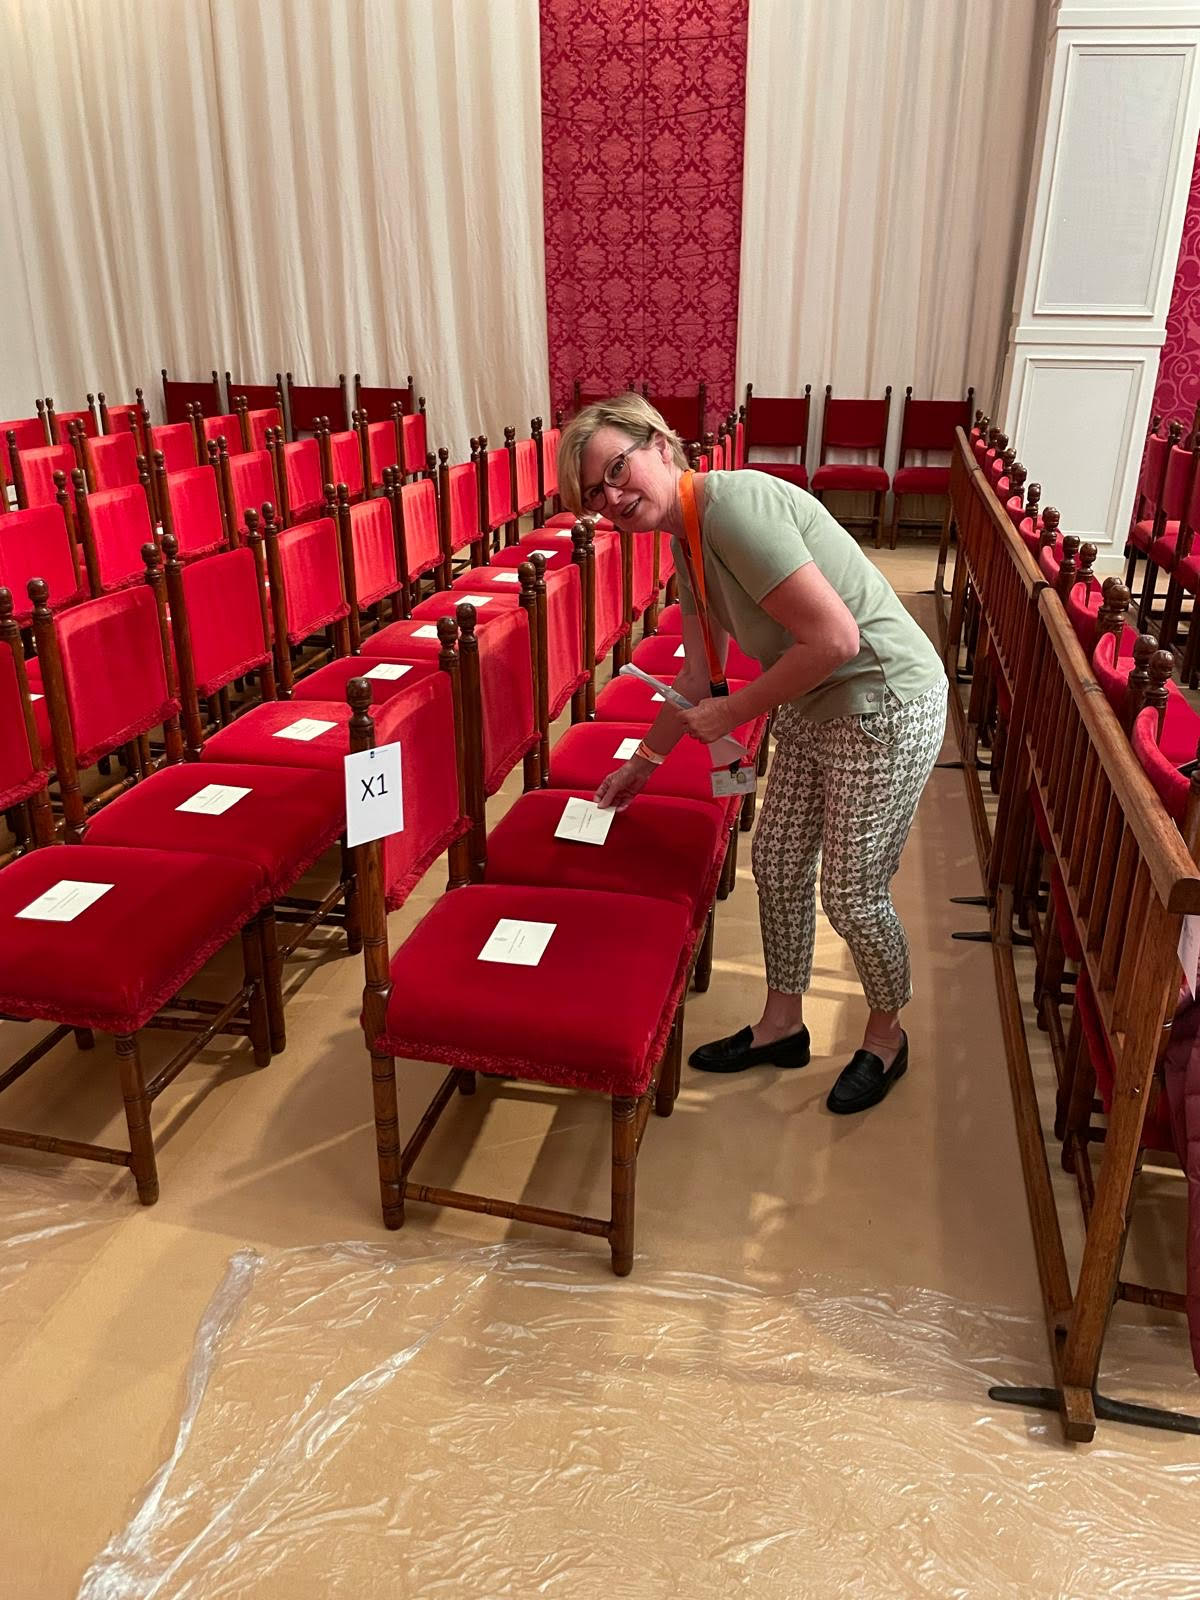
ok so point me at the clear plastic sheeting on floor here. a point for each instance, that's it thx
(49, 1228)
(512, 1421)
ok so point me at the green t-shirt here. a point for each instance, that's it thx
(756, 530)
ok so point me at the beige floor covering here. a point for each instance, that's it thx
(787, 1399)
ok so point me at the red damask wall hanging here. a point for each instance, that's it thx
(643, 110)
(1178, 387)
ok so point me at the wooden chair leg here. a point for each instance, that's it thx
(353, 922)
(387, 1140)
(137, 1118)
(668, 1071)
(273, 981)
(702, 971)
(253, 966)
(624, 1178)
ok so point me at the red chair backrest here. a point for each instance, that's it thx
(1111, 678)
(121, 524)
(550, 438)
(378, 402)
(251, 484)
(64, 419)
(195, 511)
(462, 505)
(416, 443)
(307, 402)
(225, 621)
(739, 444)
(37, 544)
(1083, 605)
(499, 486)
(424, 725)
(302, 464)
(778, 421)
(227, 427)
(19, 772)
(29, 433)
(1169, 783)
(1177, 483)
(113, 460)
(345, 451)
(113, 671)
(177, 443)
(1153, 462)
(38, 468)
(381, 447)
(525, 459)
(851, 424)
(179, 394)
(373, 543)
(260, 420)
(310, 559)
(258, 397)
(422, 542)
(930, 424)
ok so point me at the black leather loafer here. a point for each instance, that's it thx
(864, 1081)
(739, 1051)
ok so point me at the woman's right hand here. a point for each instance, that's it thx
(624, 784)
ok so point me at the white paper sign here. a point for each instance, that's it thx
(546, 553)
(389, 669)
(584, 821)
(64, 901)
(517, 944)
(36, 696)
(682, 651)
(657, 697)
(427, 631)
(307, 729)
(214, 799)
(472, 599)
(374, 797)
(626, 749)
(1189, 951)
(509, 576)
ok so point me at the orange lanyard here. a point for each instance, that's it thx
(695, 560)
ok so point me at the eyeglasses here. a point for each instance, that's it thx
(615, 474)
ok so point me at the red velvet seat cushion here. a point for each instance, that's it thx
(329, 682)
(922, 480)
(253, 737)
(505, 672)
(656, 655)
(448, 1006)
(790, 471)
(1164, 549)
(289, 818)
(568, 519)
(557, 553)
(850, 475)
(631, 700)
(134, 948)
(1188, 572)
(35, 544)
(670, 620)
(587, 752)
(1141, 535)
(668, 849)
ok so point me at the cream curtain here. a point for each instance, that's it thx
(886, 168)
(320, 186)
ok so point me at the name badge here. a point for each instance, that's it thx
(725, 783)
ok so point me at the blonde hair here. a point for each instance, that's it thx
(632, 414)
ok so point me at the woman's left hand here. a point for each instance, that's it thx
(710, 720)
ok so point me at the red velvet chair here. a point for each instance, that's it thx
(35, 473)
(379, 402)
(210, 430)
(620, 1038)
(380, 444)
(1151, 481)
(176, 443)
(302, 482)
(24, 768)
(115, 525)
(925, 426)
(26, 433)
(683, 412)
(547, 457)
(179, 394)
(192, 510)
(342, 458)
(114, 461)
(860, 425)
(308, 596)
(420, 530)
(127, 418)
(309, 404)
(62, 423)
(460, 510)
(39, 543)
(1179, 496)
(1180, 795)
(505, 625)
(778, 422)
(247, 481)
(414, 436)
(120, 962)
(497, 514)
